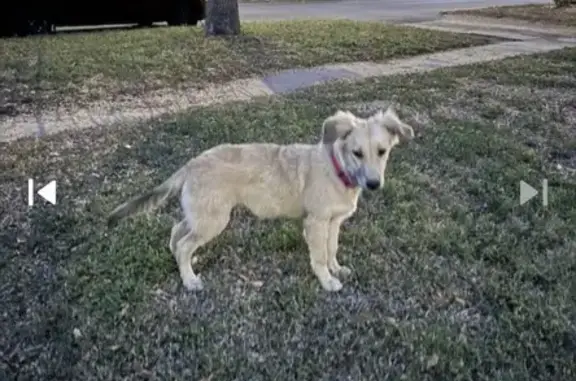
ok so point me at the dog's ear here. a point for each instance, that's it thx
(338, 126)
(394, 125)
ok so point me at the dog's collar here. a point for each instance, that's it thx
(340, 172)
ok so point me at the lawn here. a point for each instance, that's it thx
(73, 68)
(453, 279)
(539, 13)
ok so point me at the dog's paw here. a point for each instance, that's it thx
(193, 284)
(343, 271)
(332, 284)
(340, 271)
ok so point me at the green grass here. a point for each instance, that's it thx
(73, 68)
(539, 13)
(453, 280)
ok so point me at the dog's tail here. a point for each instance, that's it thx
(151, 199)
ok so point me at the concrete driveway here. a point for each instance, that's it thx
(384, 10)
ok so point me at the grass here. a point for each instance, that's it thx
(539, 13)
(81, 67)
(453, 280)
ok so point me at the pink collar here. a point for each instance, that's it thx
(342, 175)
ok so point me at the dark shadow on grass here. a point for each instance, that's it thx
(38, 315)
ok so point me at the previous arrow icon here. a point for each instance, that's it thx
(48, 192)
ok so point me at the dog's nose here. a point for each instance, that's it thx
(373, 184)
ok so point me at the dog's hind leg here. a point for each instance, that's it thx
(178, 231)
(199, 234)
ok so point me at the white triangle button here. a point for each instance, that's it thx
(48, 192)
(527, 193)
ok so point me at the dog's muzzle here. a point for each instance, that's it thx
(365, 181)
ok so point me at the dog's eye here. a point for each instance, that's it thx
(381, 152)
(358, 154)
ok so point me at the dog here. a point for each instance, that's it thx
(318, 183)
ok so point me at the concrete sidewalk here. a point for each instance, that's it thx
(512, 29)
(169, 101)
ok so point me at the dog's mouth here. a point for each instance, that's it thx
(361, 181)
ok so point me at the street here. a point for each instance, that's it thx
(385, 10)
(364, 10)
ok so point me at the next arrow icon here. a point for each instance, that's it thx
(527, 192)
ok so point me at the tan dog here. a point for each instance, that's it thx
(320, 183)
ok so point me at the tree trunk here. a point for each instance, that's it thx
(222, 18)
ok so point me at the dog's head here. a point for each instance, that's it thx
(363, 145)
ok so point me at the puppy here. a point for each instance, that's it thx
(319, 183)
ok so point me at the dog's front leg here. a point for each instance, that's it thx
(334, 234)
(316, 231)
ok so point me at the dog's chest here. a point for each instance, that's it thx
(346, 206)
